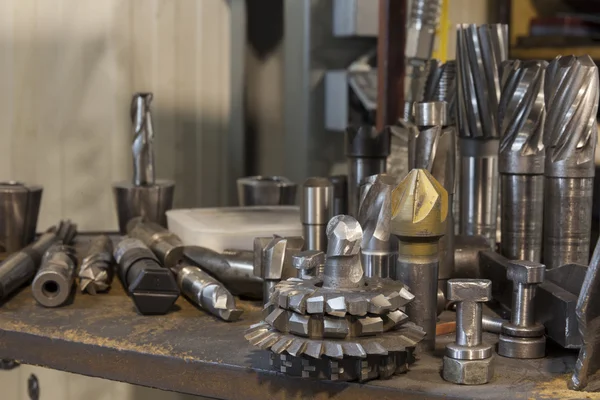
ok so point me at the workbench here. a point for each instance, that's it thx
(192, 352)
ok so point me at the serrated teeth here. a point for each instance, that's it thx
(354, 350)
(393, 319)
(358, 307)
(297, 302)
(379, 304)
(298, 324)
(336, 306)
(315, 305)
(297, 347)
(314, 349)
(375, 348)
(335, 328)
(278, 319)
(334, 350)
(281, 345)
(370, 326)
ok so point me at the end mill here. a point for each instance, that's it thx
(316, 211)
(96, 271)
(367, 151)
(521, 116)
(433, 148)
(571, 94)
(419, 213)
(480, 51)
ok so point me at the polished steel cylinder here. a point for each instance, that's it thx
(479, 188)
(468, 323)
(523, 301)
(316, 211)
(522, 216)
(19, 209)
(266, 191)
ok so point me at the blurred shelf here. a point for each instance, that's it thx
(549, 53)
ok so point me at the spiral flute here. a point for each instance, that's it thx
(143, 140)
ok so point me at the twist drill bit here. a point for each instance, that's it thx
(19, 268)
(367, 151)
(206, 292)
(144, 195)
(419, 212)
(571, 94)
(316, 211)
(54, 280)
(96, 271)
(434, 148)
(441, 86)
(379, 251)
(479, 53)
(143, 140)
(343, 268)
(521, 116)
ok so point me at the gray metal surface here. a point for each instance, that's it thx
(340, 194)
(480, 50)
(97, 267)
(266, 191)
(343, 268)
(52, 284)
(521, 116)
(273, 260)
(167, 246)
(19, 209)
(571, 93)
(441, 86)
(316, 210)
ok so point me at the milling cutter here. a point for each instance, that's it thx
(419, 213)
(521, 117)
(571, 94)
(479, 52)
(433, 148)
(340, 326)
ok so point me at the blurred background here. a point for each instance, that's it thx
(240, 88)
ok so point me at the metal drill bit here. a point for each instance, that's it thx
(53, 282)
(521, 116)
(433, 148)
(343, 268)
(143, 140)
(167, 246)
(479, 52)
(367, 151)
(96, 270)
(206, 292)
(316, 211)
(377, 255)
(441, 86)
(20, 267)
(419, 212)
(571, 94)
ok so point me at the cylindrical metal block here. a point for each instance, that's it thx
(340, 194)
(468, 323)
(522, 216)
(54, 280)
(19, 209)
(316, 211)
(266, 191)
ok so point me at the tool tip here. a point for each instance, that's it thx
(344, 234)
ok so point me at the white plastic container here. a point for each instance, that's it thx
(233, 227)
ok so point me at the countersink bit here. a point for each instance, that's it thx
(367, 151)
(54, 280)
(419, 213)
(96, 270)
(316, 211)
(433, 148)
(521, 117)
(144, 195)
(340, 194)
(343, 267)
(20, 267)
(266, 191)
(571, 94)
(19, 209)
(151, 287)
(479, 52)
(206, 292)
(379, 250)
(273, 260)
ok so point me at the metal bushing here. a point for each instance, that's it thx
(52, 284)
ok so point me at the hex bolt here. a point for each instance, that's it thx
(310, 263)
(468, 360)
(523, 337)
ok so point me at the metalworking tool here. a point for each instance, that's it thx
(315, 212)
(468, 361)
(571, 93)
(341, 326)
(479, 52)
(379, 250)
(434, 148)
(340, 194)
(54, 280)
(144, 195)
(152, 287)
(266, 191)
(367, 151)
(273, 260)
(166, 245)
(19, 209)
(441, 86)
(521, 116)
(419, 212)
(523, 337)
(96, 270)
(20, 267)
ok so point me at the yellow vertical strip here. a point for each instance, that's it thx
(441, 49)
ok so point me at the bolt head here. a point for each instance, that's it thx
(526, 272)
(467, 372)
(475, 290)
(308, 259)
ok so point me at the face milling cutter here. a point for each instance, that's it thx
(571, 94)
(521, 116)
(379, 254)
(480, 51)
(367, 151)
(433, 147)
(419, 213)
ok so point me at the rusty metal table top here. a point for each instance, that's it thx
(191, 352)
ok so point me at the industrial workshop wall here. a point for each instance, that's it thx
(67, 72)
